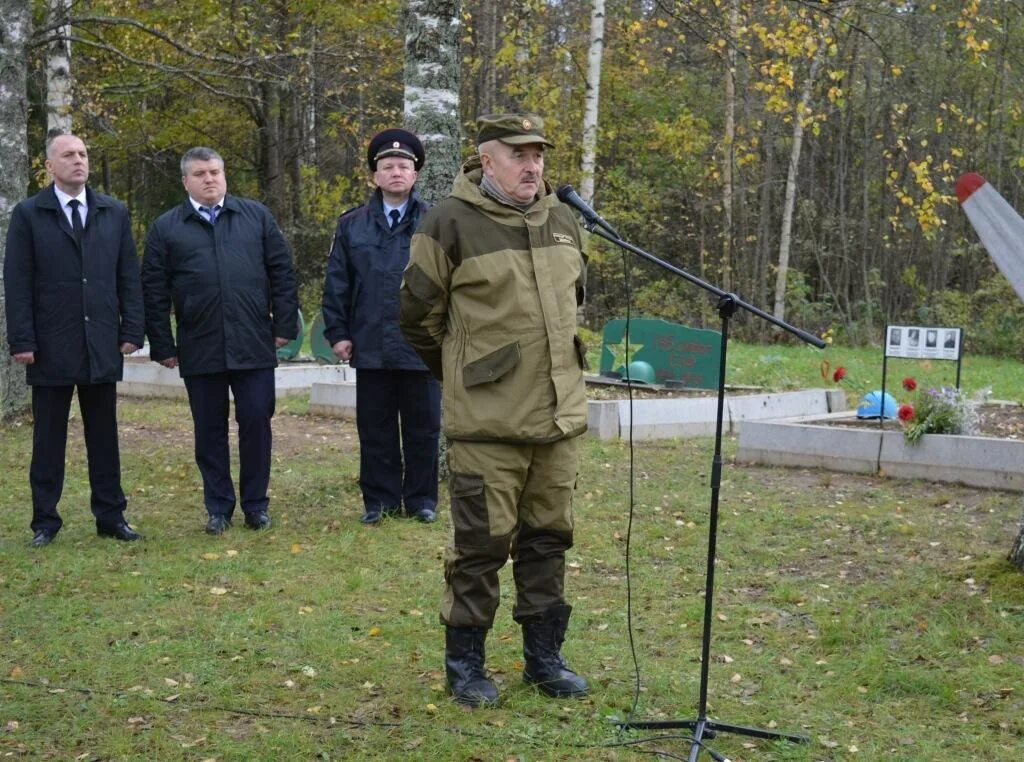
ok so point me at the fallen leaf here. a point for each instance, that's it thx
(432, 708)
(17, 672)
(210, 556)
(296, 548)
(218, 591)
(374, 632)
(11, 726)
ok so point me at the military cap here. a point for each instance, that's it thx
(514, 129)
(395, 142)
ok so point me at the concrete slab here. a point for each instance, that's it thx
(804, 442)
(337, 400)
(668, 418)
(977, 461)
(603, 419)
(778, 405)
(143, 378)
(680, 417)
(778, 443)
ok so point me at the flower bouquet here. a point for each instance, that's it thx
(937, 411)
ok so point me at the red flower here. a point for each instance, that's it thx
(909, 383)
(906, 412)
(839, 375)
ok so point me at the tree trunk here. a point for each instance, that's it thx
(592, 101)
(58, 71)
(1017, 552)
(271, 168)
(15, 29)
(790, 198)
(730, 150)
(432, 80)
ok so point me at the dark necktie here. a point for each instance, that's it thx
(76, 220)
(395, 216)
(211, 213)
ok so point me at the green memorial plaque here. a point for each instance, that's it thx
(689, 357)
(319, 344)
(291, 350)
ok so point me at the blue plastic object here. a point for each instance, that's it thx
(640, 372)
(871, 405)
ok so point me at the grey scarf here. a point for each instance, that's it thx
(492, 190)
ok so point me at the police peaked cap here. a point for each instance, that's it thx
(395, 142)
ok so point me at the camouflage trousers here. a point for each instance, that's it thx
(508, 500)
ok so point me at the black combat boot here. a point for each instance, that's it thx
(464, 665)
(543, 636)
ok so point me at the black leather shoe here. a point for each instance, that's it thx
(217, 524)
(258, 520)
(43, 537)
(426, 515)
(120, 531)
(372, 516)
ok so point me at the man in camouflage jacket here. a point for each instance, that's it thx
(489, 302)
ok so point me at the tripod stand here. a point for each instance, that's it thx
(728, 304)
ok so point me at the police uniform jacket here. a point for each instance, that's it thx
(231, 284)
(72, 307)
(489, 301)
(360, 302)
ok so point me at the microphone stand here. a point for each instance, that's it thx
(728, 304)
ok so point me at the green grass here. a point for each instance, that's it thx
(800, 367)
(792, 366)
(871, 614)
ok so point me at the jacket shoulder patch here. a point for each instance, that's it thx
(563, 238)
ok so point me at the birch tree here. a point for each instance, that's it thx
(592, 101)
(58, 69)
(432, 79)
(729, 158)
(15, 28)
(789, 202)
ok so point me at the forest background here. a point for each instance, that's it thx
(713, 115)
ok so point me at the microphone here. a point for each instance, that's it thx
(568, 195)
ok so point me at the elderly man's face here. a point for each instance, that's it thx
(395, 177)
(517, 170)
(205, 181)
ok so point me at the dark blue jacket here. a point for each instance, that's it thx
(66, 305)
(364, 273)
(232, 286)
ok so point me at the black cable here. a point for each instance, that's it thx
(632, 502)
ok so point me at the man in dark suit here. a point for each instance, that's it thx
(223, 265)
(74, 307)
(398, 402)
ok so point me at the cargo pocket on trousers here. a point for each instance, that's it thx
(469, 510)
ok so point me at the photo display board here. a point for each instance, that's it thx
(923, 342)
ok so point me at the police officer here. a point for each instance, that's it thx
(398, 402)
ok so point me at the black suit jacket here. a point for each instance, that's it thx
(68, 304)
(232, 287)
